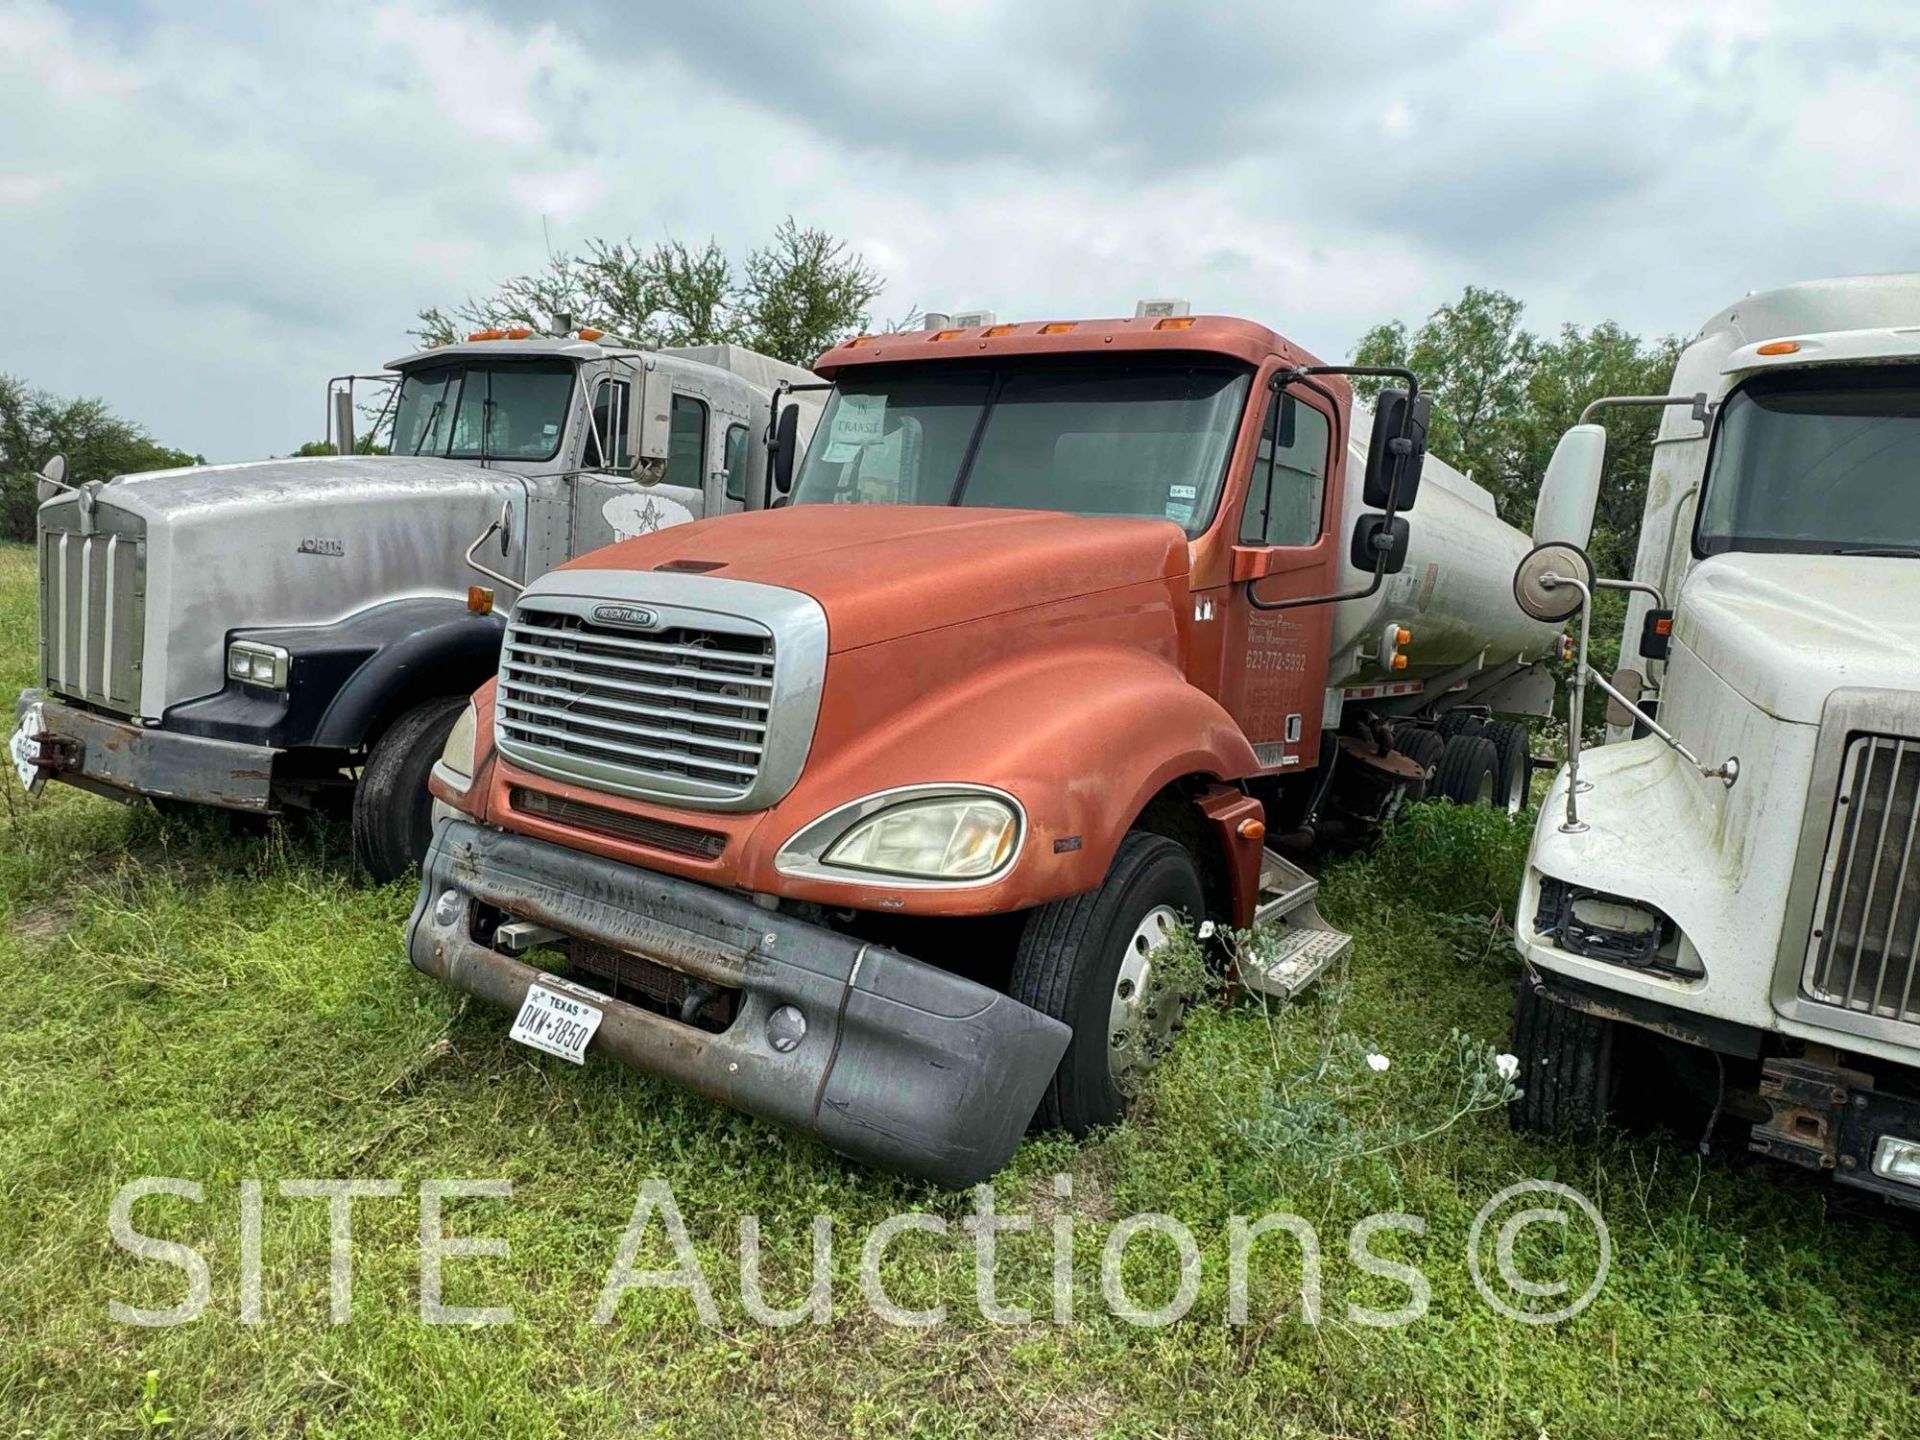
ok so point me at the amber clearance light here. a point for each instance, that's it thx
(1779, 347)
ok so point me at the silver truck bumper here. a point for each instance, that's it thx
(125, 761)
(901, 1065)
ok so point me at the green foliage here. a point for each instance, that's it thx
(1451, 859)
(1504, 396)
(34, 426)
(796, 296)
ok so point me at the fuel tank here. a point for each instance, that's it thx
(1455, 595)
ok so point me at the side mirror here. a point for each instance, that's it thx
(506, 527)
(1563, 514)
(1388, 452)
(786, 441)
(1534, 581)
(53, 478)
(1371, 537)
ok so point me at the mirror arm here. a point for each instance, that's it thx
(1285, 378)
(1702, 409)
(493, 575)
(1727, 770)
(1638, 587)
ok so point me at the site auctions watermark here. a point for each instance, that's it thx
(1490, 1257)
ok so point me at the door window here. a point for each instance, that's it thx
(1289, 477)
(687, 443)
(607, 447)
(736, 458)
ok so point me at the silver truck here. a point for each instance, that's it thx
(1736, 874)
(303, 633)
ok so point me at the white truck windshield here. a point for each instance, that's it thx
(1817, 461)
(1149, 441)
(499, 410)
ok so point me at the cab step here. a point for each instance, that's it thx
(1296, 945)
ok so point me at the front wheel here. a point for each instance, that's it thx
(1090, 961)
(1566, 1067)
(392, 809)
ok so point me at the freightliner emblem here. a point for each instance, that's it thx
(637, 617)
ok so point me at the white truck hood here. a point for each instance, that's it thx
(1788, 630)
(292, 542)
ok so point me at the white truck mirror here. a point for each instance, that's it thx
(1564, 512)
(53, 477)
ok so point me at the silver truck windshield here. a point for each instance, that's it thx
(1817, 461)
(499, 409)
(1148, 440)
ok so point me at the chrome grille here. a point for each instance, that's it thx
(1865, 946)
(681, 711)
(93, 611)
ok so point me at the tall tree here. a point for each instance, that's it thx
(97, 443)
(799, 294)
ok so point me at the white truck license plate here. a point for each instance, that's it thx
(559, 1023)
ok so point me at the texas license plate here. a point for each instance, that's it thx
(557, 1020)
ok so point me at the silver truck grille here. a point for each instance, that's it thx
(1865, 946)
(93, 605)
(680, 712)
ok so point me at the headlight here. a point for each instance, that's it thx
(457, 756)
(951, 839)
(258, 664)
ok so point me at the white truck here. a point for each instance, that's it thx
(290, 633)
(1736, 872)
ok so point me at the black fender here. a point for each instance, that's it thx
(346, 681)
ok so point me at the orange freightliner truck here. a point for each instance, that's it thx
(870, 813)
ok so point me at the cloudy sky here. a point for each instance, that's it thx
(207, 209)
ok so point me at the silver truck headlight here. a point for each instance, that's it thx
(258, 664)
(456, 758)
(956, 839)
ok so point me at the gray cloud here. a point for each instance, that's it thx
(204, 213)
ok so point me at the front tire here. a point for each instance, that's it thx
(392, 810)
(1088, 961)
(1566, 1067)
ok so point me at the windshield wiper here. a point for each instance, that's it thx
(433, 418)
(1901, 552)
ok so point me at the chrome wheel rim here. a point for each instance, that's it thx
(1143, 1012)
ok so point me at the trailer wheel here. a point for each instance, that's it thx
(1459, 722)
(392, 811)
(1511, 774)
(1088, 960)
(1566, 1067)
(1467, 771)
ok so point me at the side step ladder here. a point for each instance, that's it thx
(1297, 945)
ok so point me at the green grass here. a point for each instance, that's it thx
(181, 1001)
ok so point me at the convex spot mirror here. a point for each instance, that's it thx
(1390, 414)
(53, 478)
(506, 527)
(1533, 587)
(1368, 531)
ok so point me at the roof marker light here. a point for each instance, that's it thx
(488, 334)
(945, 334)
(1056, 327)
(993, 332)
(519, 332)
(1176, 322)
(1779, 347)
(587, 332)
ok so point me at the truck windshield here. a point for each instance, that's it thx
(1149, 441)
(1817, 461)
(500, 409)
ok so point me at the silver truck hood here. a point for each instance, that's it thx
(289, 542)
(1787, 630)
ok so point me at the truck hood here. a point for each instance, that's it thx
(1787, 630)
(287, 542)
(885, 571)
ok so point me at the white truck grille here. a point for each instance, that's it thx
(681, 711)
(93, 613)
(1865, 946)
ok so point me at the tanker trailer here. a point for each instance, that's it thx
(872, 813)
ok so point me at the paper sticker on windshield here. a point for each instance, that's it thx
(858, 420)
(1183, 492)
(1179, 511)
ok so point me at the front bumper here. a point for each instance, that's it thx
(124, 760)
(902, 1065)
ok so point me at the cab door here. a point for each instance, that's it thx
(655, 415)
(1285, 548)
